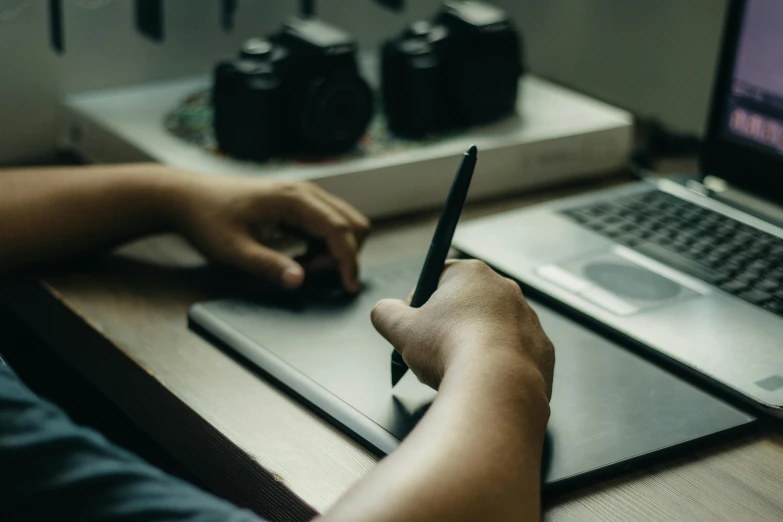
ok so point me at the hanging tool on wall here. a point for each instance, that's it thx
(56, 34)
(228, 9)
(149, 19)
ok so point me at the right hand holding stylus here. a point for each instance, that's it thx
(475, 317)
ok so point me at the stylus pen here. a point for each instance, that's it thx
(439, 248)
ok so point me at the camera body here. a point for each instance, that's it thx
(297, 93)
(462, 69)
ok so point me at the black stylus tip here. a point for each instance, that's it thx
(472, 151)
(397, 371)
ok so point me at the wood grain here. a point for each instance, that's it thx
(121, 321)
(741, 480)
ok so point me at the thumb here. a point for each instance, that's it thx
(266, 263)
(391, 317)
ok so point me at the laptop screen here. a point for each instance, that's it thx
(755, 103)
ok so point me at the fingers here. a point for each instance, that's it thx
(359, 223)
(345, 250)
(325, 222)
(268, 264)
(391, 318)
(325, 217)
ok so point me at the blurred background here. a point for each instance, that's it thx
(655, 58)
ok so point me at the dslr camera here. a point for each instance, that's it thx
(459, 70)
(297, 93)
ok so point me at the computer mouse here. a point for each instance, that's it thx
(324, 287)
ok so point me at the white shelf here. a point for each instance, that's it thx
(558, 135)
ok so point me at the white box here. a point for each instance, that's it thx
(559, 135)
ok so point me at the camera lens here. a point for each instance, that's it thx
(336, 114)
(338, 109)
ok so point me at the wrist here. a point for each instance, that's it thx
(505, 379)
(167, 191)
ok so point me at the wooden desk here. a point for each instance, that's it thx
(122, 323)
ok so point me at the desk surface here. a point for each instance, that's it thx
(121, 321)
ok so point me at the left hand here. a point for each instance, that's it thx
(228, 219)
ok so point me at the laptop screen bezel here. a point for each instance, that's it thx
(743, 165)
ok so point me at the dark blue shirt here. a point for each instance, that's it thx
(51, 469)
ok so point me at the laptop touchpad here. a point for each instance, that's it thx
(615, 283)
(630, 281)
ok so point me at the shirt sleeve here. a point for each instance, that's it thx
(52, 469)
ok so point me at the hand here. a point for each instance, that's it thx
(229, 219)
(475, 314)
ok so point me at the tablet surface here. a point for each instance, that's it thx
(610, 407)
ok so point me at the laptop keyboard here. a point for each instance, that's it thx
(737, 258)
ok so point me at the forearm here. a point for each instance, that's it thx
(476, 455)
(54, 213)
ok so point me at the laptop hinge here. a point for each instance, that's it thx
(720, 190)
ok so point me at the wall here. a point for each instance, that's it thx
(103, 50)
(651, 56)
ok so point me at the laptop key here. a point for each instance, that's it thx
(715, 262)
(695, 253)
(775, 306)
(767, 285)
(612, 232)
(596, 225)
(723, 250)
(735, 262)
(680, 262)
(756, 296)
(734, 286)
(628, 239)
(580, 216)
(594, 211)
(748, 277)
(752, 252)
(760, 265)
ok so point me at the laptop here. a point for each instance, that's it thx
(693, 278)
